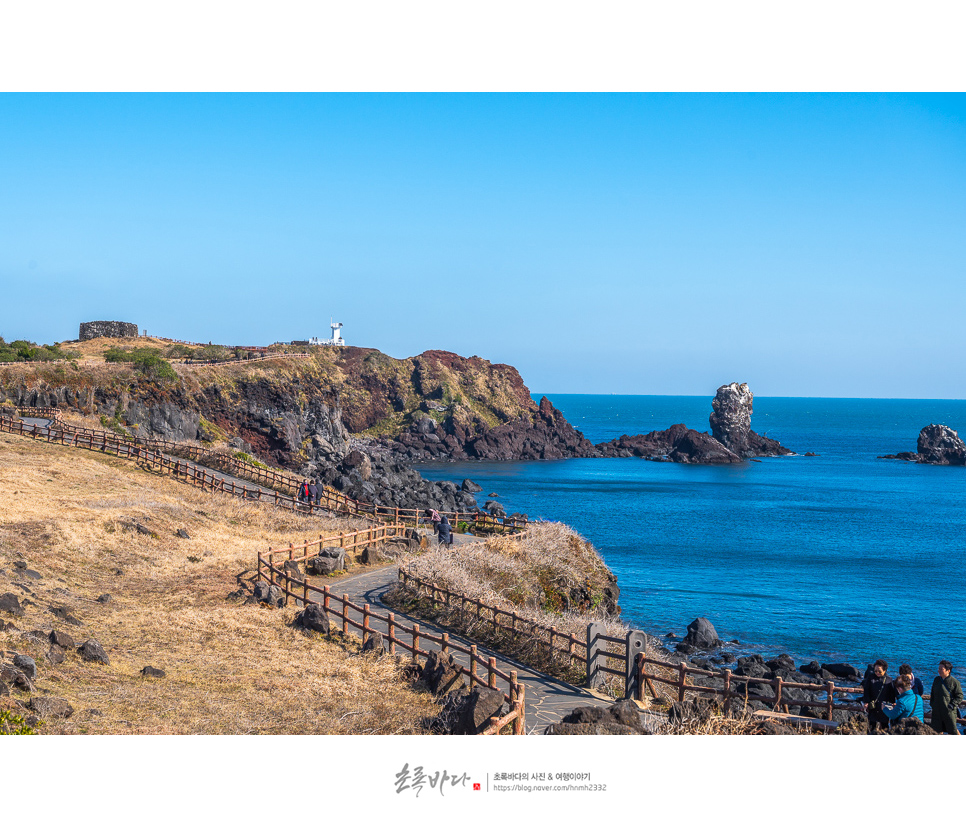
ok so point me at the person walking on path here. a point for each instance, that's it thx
(872, 693)
(313, 493)
(318, 493)
(434, 517)
(945, 696)
(304, 491)
(908, 703)
(445, 531)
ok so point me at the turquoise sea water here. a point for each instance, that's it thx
(841, 556)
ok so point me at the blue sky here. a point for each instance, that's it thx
(810, 245)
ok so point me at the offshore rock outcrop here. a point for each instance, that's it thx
(678, 444)
(731, 438)
(939, 445)
(731, 424)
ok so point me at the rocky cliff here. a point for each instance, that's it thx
(351, 416)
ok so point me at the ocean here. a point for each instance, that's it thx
(840, 557)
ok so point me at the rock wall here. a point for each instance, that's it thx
(107, 329)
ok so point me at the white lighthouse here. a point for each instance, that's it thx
(336, 333)
(336, 339)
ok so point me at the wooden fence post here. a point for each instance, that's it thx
(473, 664)
(345, 615)
(594, 631)
(726, 692)
(392, 633)
(491, 672)
(682, 681)
(830, 691)
(415, 641)
(516, 695)
(633, 646)
(365, 622)
(325, 598)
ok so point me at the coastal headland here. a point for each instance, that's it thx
(355, 419)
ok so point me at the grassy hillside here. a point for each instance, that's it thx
(66, 515)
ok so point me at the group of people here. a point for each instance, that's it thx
(441, 526)
(887, 700)
(310, 492)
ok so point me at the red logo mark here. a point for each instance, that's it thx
(476, 786)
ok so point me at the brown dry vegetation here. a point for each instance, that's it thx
(231, 668)
(529, 576)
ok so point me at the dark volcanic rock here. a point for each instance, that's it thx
(51, 707)
(842, 670)
(701, 635)
(9, 604)
(152, 672)
(910, 727)
(62, 639)
(26, 664)
(314, 618)
(938, 445)
(731, 424)
(543, 435)
(621, 718)
(93, 652)
(678, 444)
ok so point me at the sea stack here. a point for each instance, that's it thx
(731, 424)
(938, 445)
(941, 445)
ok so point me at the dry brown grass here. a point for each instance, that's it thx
(231, 668)
(529, 575)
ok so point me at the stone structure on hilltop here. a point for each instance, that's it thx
(108, 329)
(731, 424)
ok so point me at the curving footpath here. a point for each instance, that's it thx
(547, 698)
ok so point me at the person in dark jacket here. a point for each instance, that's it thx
(304, 491)
(445, 531)
(945, 696)
(313, 493)
(872, 693)
(890, 693)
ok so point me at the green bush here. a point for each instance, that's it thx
(23, 351)
(12, 724)
(147, 361)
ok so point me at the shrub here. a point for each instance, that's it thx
(12, 724)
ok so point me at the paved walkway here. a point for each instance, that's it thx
(547, 699)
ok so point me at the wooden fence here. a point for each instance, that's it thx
(332, 499)
(626, 658)
(297, 588)
(564, 647)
